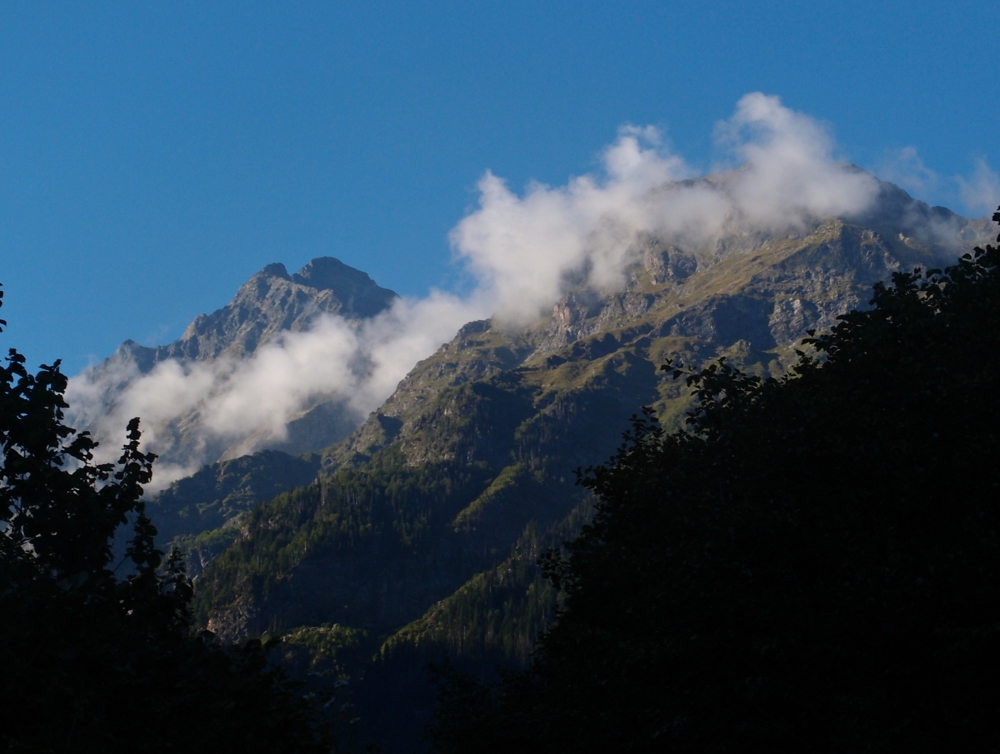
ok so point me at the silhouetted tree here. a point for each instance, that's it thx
(812, 565)
(90, 661)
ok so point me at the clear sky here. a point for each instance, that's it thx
(155, 155)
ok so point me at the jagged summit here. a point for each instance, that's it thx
(270, 302)
(354, 288)
(275, 270)
(356, 291)
(891, 208)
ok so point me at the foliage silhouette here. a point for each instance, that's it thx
(812, 565)
(96, 662)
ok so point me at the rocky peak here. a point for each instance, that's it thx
(270, 302)
(274, 270)
(273, 301)
(356, 291)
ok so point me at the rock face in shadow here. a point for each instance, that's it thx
(221, 492)
(199, 513)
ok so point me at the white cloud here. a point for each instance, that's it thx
(981, 191)
(522, 249)
(977, 194)
(906, 169)
(220, 403)
(791, 172)
(525, 249)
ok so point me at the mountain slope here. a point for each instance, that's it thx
(199, 514)
(424, 514)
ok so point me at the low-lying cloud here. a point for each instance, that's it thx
(977, 194)
(524, 250)
(192, 412)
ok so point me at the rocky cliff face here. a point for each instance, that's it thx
(757, 294)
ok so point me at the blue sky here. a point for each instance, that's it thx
(153, 156)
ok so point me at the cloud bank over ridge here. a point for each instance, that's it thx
(523, 250)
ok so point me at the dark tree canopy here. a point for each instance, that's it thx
(91, 661)
(812, 565)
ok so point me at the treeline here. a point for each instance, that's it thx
(811, 565)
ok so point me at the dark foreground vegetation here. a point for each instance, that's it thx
(811, 566)
(95, 660)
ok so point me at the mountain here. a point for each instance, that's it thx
(424, 527)
(481, 439)
(380, 543)
(173, 387)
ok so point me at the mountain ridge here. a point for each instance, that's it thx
(420, 517)
(519, 409)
